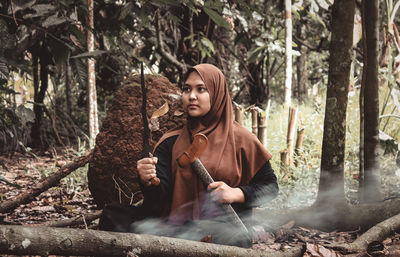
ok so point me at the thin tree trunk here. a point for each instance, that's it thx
(93, 123)
(66, 241)
(68, 88)
(371, 190)
(290, 132)
(331, 186)
(302, 74)
(288, 53)
(40, 88)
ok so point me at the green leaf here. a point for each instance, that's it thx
(89, 54)
(207, 43)
(40, 10)
(59, 51)
(3, 69)
(79, 68)
(253, 55)
(167, 2)
(218, 19)
(53, 21)
(21, 5)
(125, 11)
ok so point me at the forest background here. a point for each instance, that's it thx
(47, 53)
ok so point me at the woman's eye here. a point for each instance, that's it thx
(202, 89)
(186, 89)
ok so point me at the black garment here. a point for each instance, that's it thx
(146, 219)
(262, 188)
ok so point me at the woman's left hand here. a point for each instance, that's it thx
(225, 193)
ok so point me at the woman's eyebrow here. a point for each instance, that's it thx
(196, 85)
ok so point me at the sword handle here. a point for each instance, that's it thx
(203, 174)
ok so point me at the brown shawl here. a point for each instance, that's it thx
(233, 155)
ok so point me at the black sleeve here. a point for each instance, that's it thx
(262, 188)
(162, 193)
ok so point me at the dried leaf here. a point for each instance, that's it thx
(178, 113)
(160, 111)
(319, 251)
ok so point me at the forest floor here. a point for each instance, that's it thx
(71, 198)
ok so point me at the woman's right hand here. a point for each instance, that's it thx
(147, 170)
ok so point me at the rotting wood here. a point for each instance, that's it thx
(47, 183)
(66, 241)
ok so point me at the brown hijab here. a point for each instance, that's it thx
(233, 154)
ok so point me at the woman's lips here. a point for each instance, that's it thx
(192, 106)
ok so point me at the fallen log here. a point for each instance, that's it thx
(47, 183)
(66, 241)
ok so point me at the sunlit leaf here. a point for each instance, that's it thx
(207, 43)
(3, 69)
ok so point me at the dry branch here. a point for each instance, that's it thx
(84, 218)
(47, 183)
(65, 241)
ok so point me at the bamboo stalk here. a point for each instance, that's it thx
(284, 166)
(262, 127)
(291, 131)
(254, 121)
(299, 145)
(239, 114)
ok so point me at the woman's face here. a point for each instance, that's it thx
(195, 96)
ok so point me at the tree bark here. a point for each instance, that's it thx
(331, 186)
(93, 123)
(42, 186)
(370, 190)
(66, 241)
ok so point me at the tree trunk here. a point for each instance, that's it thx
(65, 241)
(93, 123)
(370, 189)
(288, 53)
(331, 186)
(40, 87)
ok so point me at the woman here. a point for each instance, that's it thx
(237, 161)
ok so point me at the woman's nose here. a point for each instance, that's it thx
(192, 95)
